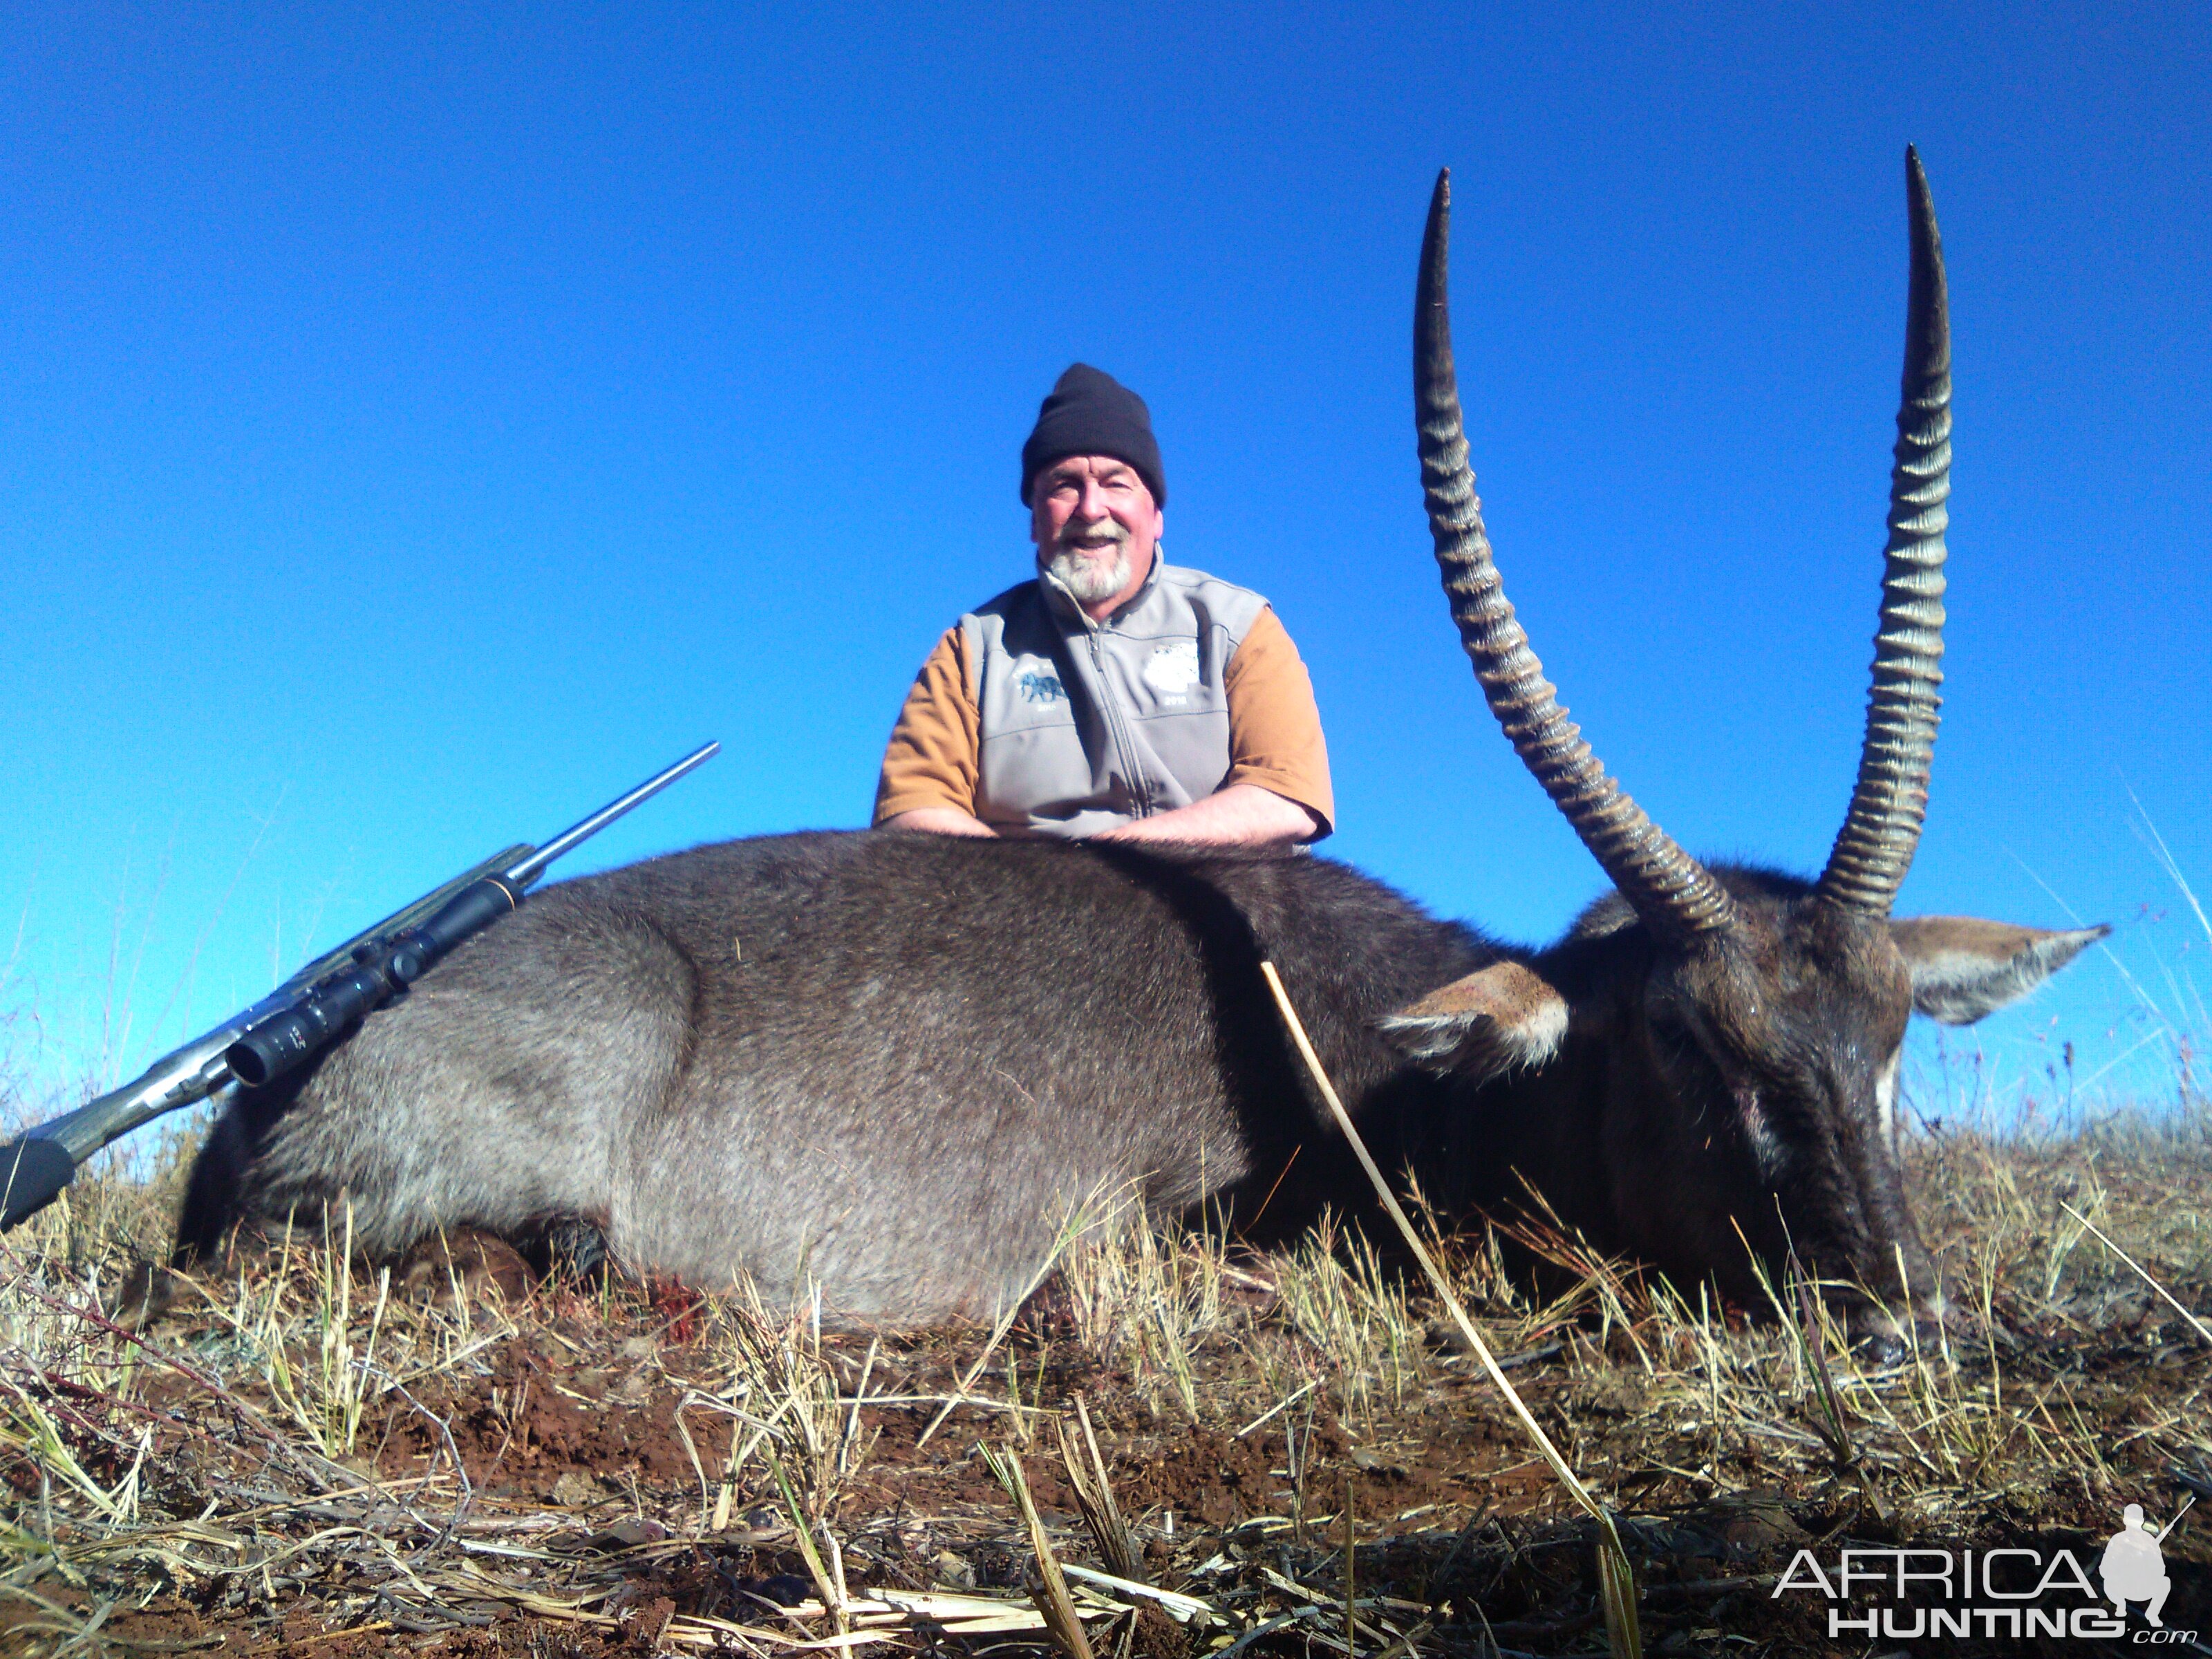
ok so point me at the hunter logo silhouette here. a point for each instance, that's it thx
(2133, 1568)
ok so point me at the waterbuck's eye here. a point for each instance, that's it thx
(1682, 1049)
(1680, 1026)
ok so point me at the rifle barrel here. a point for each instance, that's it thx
(529, 869)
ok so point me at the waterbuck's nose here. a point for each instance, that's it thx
(1883, 1337)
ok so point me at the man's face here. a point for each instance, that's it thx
(1096, 528)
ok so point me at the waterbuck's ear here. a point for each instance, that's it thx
(1963, 967)
(1498, 1019)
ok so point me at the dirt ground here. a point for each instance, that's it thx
(566, 1476)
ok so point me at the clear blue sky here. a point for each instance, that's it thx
(417, 423)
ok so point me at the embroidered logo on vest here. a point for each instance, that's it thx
(1172, 669)
(1043, 688)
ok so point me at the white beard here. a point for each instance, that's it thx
(1088, 577)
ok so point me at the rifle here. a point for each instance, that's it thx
(319, 1005)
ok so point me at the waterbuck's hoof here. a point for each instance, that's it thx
(147, 1292)
(1883, 1349)
(1885, 1341)
(572, 1251)
(474, 1264)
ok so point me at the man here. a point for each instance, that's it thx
(1116, 695)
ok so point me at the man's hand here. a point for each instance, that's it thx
(939, 821)
(1242, 815)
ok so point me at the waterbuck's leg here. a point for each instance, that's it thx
(216, 1194)
(211, 1196)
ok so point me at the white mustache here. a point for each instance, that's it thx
(1091, 537)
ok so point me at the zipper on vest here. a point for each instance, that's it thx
(1140, 786)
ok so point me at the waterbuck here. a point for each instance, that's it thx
(889, 1064)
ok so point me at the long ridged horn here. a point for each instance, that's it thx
(1673, 894)
(1880, 832)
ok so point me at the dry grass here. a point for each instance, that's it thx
(307, 1455)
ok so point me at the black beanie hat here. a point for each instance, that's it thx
(1090, 412)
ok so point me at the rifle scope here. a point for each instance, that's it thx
(381, 973)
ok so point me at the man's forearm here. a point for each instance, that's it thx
(1242, 815)
(939, 821)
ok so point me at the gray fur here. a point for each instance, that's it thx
(893, 1063)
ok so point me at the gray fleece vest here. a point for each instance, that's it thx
(1088, 725)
